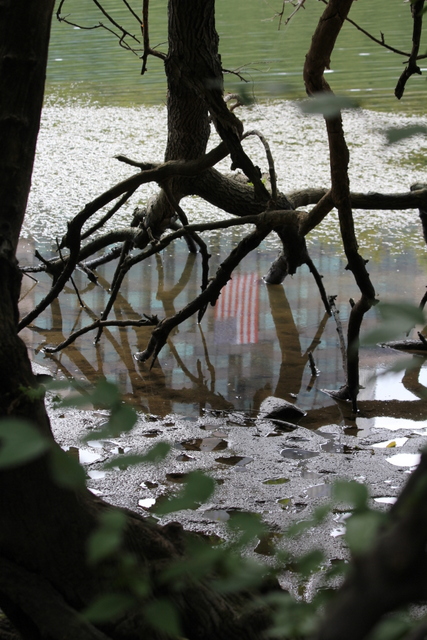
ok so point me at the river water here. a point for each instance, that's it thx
(89, 61)
(98, 106)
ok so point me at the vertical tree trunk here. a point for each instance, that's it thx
(193, 45)
(191, 65)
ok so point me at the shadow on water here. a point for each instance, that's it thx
(252, 345)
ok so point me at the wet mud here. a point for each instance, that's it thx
(258, 468)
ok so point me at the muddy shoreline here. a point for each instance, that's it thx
(282, 476)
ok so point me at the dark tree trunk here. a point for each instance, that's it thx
(193, 45)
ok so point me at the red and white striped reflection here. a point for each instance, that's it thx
(236, 312)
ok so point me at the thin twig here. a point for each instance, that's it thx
(148, 51)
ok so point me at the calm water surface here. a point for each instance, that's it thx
(91, 62)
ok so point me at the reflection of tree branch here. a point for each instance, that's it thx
(317, 336)
(216, 400)
(183, 281)
(209, 364)
(146, 321)
(59, 284)
(411, 379)
(292, 364)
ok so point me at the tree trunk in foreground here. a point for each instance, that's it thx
(45, 579)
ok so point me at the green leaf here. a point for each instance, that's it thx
(395, 626)
(291, 618)
(249, 525)
(310, 562)
(198, 488)
(20, 442)
(105, 394)
(395, 134)
(200, 561)
(123, 418)
(396, 319)
(66, 470)
(362, 529)
(157, 453)
(106, 540)
(108, 606)
(162, 615)
(298, 528)
(351, 492)
(327, 104)
(241, 574)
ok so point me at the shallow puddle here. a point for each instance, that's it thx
(267, 544)
(234, 461)
(276, 481)
(203, 444)
(216, 367)
(405, 459)
(298, 454)
(218, 515)
(385, 500)
(319, 491)
(390, 444)
(178, 478)
(84, 456)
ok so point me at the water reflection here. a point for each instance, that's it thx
(226, 364)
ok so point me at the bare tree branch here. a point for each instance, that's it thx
(412, 68)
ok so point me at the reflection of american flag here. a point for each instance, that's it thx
(236, 311)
